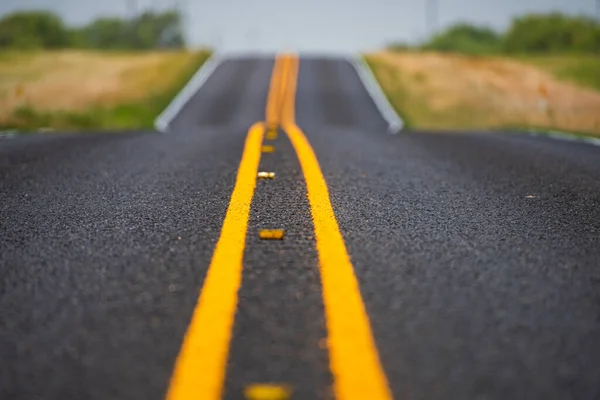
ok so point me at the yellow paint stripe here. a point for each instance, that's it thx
(267, 391)
(288, 103)
(200, 368)
(275, 234)
(271, 134)
(354, 360)
(272, 111)
(283, 85)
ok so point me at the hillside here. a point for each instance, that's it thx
(75, 89)
(450, 91)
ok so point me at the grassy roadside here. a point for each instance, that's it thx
(91, 90)
(583, 70)
(437, 91)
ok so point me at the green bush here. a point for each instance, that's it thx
(33, 29)
(533, 33)
(551, 33)
(465, 38)
(41, 29)
(400, 46)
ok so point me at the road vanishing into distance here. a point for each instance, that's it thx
(147, 265)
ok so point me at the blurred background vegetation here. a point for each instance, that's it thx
(45, 30)
(568, 46)
(113, 73)
(531, 34)
(542, 72)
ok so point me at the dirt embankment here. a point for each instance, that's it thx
(79, 80)
(441, 91)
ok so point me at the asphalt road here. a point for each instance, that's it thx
(477, 254)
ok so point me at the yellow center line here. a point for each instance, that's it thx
(283, 86)
(354, 361)
(200, 368)
(274, 99)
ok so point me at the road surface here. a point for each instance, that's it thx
(453, 265)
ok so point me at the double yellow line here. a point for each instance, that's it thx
(354, 362)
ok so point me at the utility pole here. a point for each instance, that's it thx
(182, 7)
(216, 40)
(219, 43)
(132, 13)
(431, 12)
(186, 24)
(132, 8)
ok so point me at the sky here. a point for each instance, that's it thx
(309, 25)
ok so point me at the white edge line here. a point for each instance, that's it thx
(395, 123)
(161, 123)
(9, 133)
(564, 136)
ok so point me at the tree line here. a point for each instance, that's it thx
(534, 33)
(45, 30)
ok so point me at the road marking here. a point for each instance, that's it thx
(162, 122)
(370, 83)
(266, 175)
(272, 111)
(9, 134)
(272, 234)
(284, 85)
(261, 391)
(200, 367)
(268, 149)
(271, 134)
(354, 361)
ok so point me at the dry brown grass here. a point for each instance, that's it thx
(79, 80)
(442, 91)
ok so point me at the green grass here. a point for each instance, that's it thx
(130, 115)
(583, 70)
